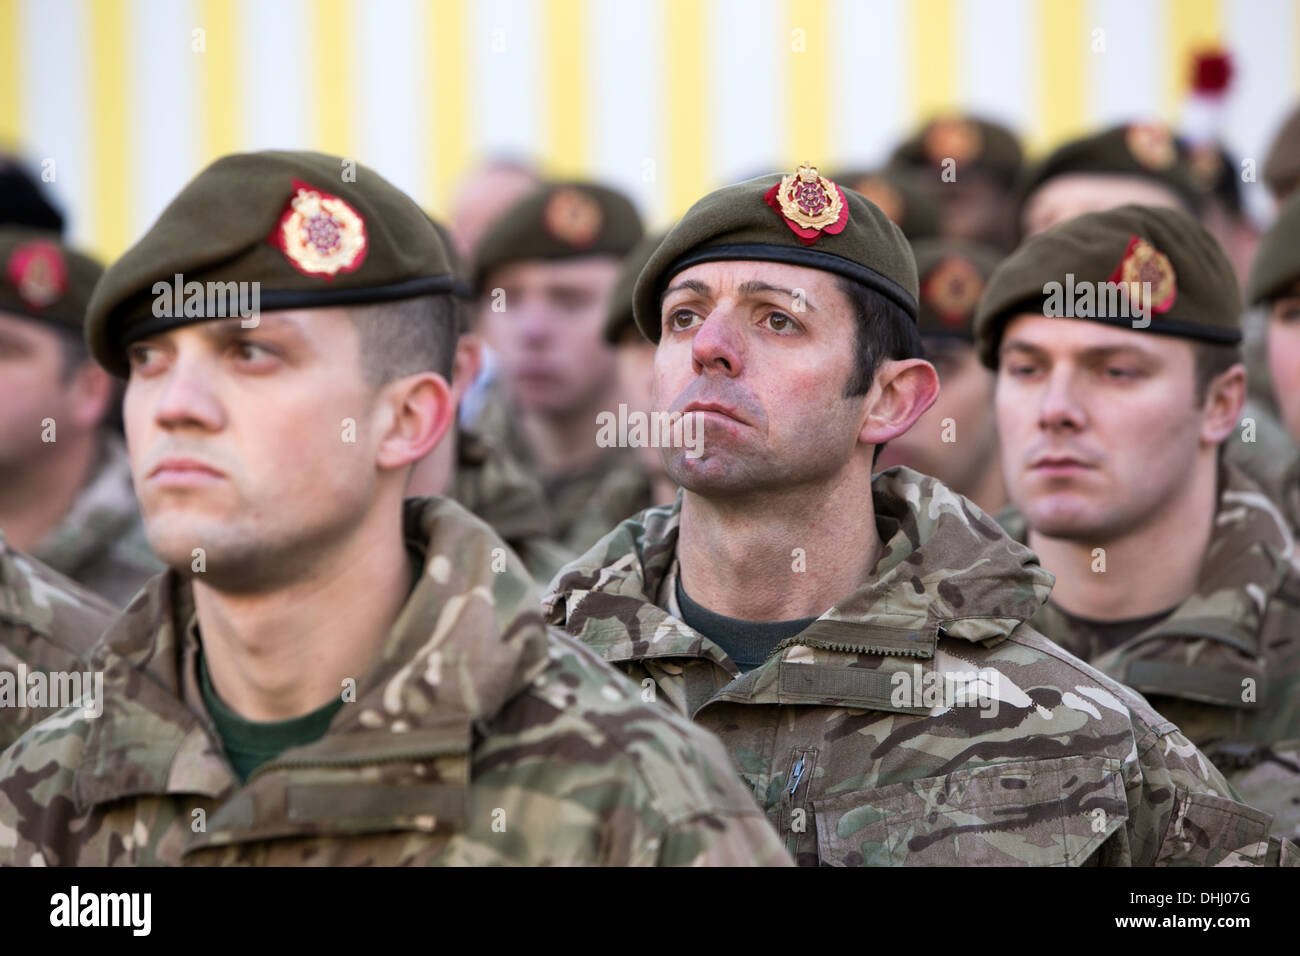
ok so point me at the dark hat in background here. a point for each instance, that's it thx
(43, 279)
(22, 200)
(462, 289)
(802, 219)
(1282, 165)
(1276, 268)
(974, 144)
(313, 231)
(901, 194)
(952, 275)
(1145, 150)
(620, 320)
(1193, 291)
(559, 221)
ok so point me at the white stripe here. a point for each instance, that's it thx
(276, 95)
(749, 54)
(992, 83)
(504, 69)
(391, 97)
(1126, 80)
(626, 150)
(870, 86)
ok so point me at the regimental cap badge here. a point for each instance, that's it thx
(884, 195)
(1151, 144)
(955, 139)
(1144, 263)
(39, 273)
(573, 217)
(952, 289)
(320, 234)
(809, 203)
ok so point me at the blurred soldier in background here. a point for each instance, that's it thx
(956, 440)
(969, 165)
(65, 484)
(1175, 574)
(904, 195)
(22, 200)
(483, 195)
(545, 272)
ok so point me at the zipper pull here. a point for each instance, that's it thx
(795, 777)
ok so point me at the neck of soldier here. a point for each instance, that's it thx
(989, 492)
(286, 651)
(1143, 570)
(38, 493)
(563, 442)
(780, 556)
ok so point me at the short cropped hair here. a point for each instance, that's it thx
(883, 332)
(406, 337)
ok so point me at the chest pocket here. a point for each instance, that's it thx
(1055, 812)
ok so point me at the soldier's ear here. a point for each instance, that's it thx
(1224, 400)
(466, 365)
(417, 412)
(901, 392)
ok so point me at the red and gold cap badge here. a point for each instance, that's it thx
(320, 234)
(573, 217)
(809, 203)
(955, 139)
(952, 289)
(884, 195)
(37, 270)
(1151, 144)
(1143, 262)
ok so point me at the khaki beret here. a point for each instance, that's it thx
(44, 279)
(1277, 261)
(803, 219)
(559, 221)
(1282, 165)
(1193, 289)
(1146, 150)
(312, 230)
(619, 318)
(974, 144)
(952, 276)
(902, 196)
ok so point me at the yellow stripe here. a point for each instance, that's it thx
(1191, 27)
(110, 129)
(932, 58)
(565, 33)
(219, 78)
(11, 72)
(808, 100)
(330, 86)
(1064, 59)
(447, 131)
(686, 165)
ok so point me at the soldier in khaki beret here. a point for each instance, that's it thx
(956, 440)
(1114, 337)
(545, 272)
(65, 484)
(327, 673)
(862, 646)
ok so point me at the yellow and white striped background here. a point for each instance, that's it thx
(665, 98)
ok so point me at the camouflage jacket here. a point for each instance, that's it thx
(920, 720)
(48, 624)
(1225, 665)
(478, 736)
(100, 543)
(495, 487)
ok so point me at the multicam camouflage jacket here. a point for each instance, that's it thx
(478, 736)
(48, 625)
(100, 543)
(1225, 665)
(920, 720)
(495, 487)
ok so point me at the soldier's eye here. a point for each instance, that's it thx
(780, 322)
(139, 355)
(1119, 373)
(682, 319)
(251, 352)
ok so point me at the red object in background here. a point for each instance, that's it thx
(1211, 72)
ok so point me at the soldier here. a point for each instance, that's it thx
(484, 194)
(1282, 165)
(868, 666)
(970, 166)
(474, 470)
(955, 441)
(325, 674)
(1138, 163)
(48, 625)
(65, 484)
(545, 272)
(1174, 573)
(904, 195)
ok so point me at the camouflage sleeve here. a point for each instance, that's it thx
(37, 807)
(1183, 812)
